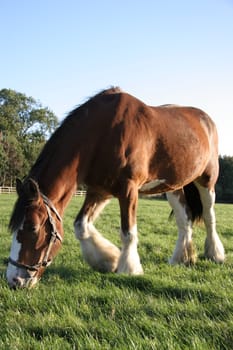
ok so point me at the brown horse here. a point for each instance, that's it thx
(117, 146)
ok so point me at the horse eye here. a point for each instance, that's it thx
(31, 227)
(35, 228)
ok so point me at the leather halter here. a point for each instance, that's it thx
(55, 235)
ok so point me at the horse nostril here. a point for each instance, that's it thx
(17, 282)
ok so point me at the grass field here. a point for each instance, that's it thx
(168, 308)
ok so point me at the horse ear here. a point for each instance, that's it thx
(31, 189)
(19, 187)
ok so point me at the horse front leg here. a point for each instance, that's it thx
(129, 261)
(184, 251)
(97, 251)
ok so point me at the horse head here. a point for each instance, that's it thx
(37, 235)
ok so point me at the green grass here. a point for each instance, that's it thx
(168, 308)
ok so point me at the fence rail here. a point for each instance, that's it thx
(6, 189)
(10, 190)
(80, 193)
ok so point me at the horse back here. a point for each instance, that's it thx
(129, 139)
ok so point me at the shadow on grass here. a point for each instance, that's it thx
(143, 284)
(69, 274)
(182, 293)
(228, 232)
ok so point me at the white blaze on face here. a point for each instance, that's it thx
(12, 270)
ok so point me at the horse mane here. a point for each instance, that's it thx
(67, 123)
(97, 98)
(50, 148)
(110, 91)
(17, 214)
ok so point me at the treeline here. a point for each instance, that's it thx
(224, 186)
(25, 127)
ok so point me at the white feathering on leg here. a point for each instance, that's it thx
(129, 261)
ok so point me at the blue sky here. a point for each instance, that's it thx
(62, 51)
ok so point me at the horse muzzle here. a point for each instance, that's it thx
(20, 277)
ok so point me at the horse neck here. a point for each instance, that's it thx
(63, 161)
(58, 183)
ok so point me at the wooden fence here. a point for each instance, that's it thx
(7, 190)
(10, 190)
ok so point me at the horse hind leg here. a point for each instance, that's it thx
(184, 251)
(214, 249)
(97, 251)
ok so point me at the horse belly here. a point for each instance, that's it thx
(182, 170)
(155, 186)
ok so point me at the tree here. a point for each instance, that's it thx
(224, 187)
(24, 128)
(3, 162)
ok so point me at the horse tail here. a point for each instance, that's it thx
(193, 200)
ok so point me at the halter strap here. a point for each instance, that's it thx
(25, 266)
(55, 235)
(50, 205)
